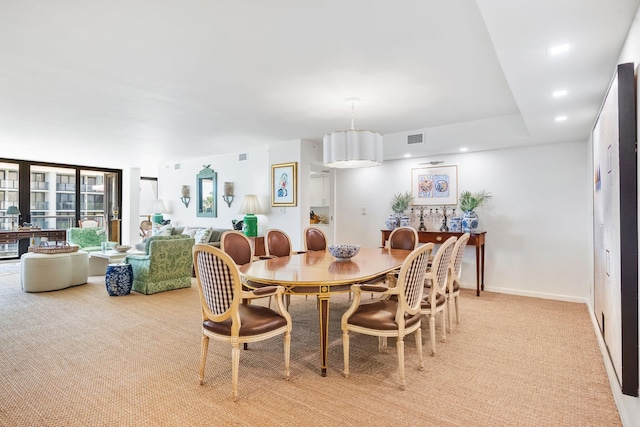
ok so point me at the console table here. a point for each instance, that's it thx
(476, 239)
(15, 236)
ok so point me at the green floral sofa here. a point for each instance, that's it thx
(166, 264)
(88, 239)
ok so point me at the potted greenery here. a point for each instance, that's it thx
(468, 202)
(400, 202)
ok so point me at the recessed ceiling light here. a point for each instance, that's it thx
(407, 155)
(561, 118)
(559, 93)
(561, 48)
(464, 149)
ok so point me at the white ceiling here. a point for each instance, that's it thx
(139, 82)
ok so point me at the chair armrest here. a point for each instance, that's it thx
(373, 288)
(137, 258)
(265, 291)
(357, 289)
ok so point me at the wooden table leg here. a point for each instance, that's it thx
(482, 269)
(478, 270)
(324, 331)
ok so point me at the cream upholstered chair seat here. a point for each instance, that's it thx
(225, 319)
(390, 317)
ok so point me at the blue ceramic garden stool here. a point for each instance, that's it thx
(118, 279)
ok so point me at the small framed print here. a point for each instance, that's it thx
(435, 186)
(284, 184)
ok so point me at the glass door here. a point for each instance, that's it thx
(9, 197)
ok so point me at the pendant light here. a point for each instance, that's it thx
(352, 148)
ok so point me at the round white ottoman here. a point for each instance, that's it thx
(50, 272)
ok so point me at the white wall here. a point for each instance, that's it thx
(250, 176)
(538, 222)
(130, 211)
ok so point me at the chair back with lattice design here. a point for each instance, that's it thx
(314, 239)
(403, 238)
(411, 278)
(456, 257)
(277, 243)
(237, 246)
(440, 268)
(218, 282)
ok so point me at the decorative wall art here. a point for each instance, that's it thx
(615, 230)
(435, 185)
(284, 184)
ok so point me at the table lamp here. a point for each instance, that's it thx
(13, 210)
(158, 208)
(250, 206)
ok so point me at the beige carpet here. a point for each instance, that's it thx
(78, 357)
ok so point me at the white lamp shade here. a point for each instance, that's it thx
(159, 207)
(352, 149)
(250, 205)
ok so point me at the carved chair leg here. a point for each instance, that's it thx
(203, 356)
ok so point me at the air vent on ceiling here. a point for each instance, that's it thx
(176, 166)
(415, 139)
(242, 156)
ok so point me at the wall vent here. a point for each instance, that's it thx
(242, 157)
(415, 139)
(176, 166)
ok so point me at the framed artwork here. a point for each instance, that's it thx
(615, 227)
(284, 184)
(437, 185)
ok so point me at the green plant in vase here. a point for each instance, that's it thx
(468, 202)
(400, 202)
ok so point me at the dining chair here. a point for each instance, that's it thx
(453, 282)
(392, 317)
(146, 228)
(277, 243)
(88, 223)
(314, 239)
(239, 248)
(225, 319)
(435, 300)
(403, 238)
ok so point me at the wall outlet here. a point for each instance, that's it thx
(364, 210)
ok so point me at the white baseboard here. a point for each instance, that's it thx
(544, 295)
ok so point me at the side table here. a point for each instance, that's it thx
(118, 279)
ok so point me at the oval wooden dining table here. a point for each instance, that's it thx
(319, 273)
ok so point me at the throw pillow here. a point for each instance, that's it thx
(191, 232)
(202, 236)
(164, 230)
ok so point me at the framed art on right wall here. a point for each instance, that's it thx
(615, 227)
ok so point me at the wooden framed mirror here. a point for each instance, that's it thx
(207, 184)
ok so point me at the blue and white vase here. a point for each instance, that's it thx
(391, 222)
(404, 221)
(469, 222)
(455, 224)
